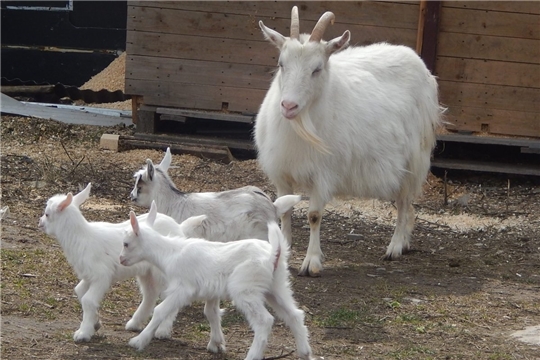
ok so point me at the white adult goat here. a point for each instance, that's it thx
(356, 122)
(249, 272)
(231, 215)
(92, 250)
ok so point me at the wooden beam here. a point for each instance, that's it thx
(428, 30)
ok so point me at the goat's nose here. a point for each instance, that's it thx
(289, 105)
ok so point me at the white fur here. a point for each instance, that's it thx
(92, 250)
(231, 215)
(250, 272)
(356, 121)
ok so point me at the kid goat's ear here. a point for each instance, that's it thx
(64, 204)
(150, 169)
(166, 162)
(134, 222)
(152, 214)
(82, 196)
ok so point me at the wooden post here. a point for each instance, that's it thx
(428, 31)
(136, 100)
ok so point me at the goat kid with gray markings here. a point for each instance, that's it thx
(92, 248)
(231, 215)
(338, 121)
(249, 272)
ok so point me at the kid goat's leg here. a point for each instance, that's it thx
(80, 290)
(261, 321)
(168, 307)
(90, 302)
(213, 314)
(282, 301)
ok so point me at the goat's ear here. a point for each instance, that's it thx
(82, 196)
(273, 36)
(134, 222)
(189, 225)
(166, 162)
(152, 214)
(338, 43)
(150, 169)
(65, 203)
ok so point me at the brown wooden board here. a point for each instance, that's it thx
(527, 7)
(193, 96)
(493, 23)
(490, 96)
(244, 27)
(488, 72)
(402, 15)
(220, 49)
(198, 72)
(495, 121)
(489, 47)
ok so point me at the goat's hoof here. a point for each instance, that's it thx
(215, 347)
(80, 336)
(132, 325)
(138, 343)
(163, 334)
(309, 272)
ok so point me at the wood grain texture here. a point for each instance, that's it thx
(377, 13)
(488, 72)
(526, 7)
(489, 47)
(494, 23)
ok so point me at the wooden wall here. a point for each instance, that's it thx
(488, 64)
(212, 55)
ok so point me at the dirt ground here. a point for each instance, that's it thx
(471, 280)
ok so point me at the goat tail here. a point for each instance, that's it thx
(280, 246)
(285, 203)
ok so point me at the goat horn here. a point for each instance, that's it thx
(318, 31)
(295, 23)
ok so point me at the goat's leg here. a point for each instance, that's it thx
(90, 302)
(213, 314)
(150, 292)
(168, 307)
(260, 320)
(312, 264)
(282, 301)
(286, 219)
(80, 290)
(400, 242)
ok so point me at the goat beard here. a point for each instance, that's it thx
(303, 126)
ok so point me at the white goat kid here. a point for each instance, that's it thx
(249, 272)
(231, 215)
(356, 122)
(92, 250)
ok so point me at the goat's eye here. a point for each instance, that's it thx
(316, 71)
(126, 245)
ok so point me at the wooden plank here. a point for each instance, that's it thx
(526, 7)
(209, 151)
(494, 121)
(489, 140)
(490, 96)
(207, 115)
(201, 140)
(486, 167)
(201, 97)
(492, 23)
(198, 72)
(489, 47)
(402, 15)
(233, 50)
(430, 34)
(488, 72)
